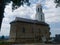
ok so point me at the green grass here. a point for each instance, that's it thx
(5, 43)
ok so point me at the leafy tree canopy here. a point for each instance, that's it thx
(57, 3)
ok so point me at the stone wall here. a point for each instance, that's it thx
(36, 44)
(25, 32)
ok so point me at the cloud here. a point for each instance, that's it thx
(51, 13)
(23, 11)
(5, 29)
(55, 31)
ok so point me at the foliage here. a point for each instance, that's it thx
(2, 37)
(19, 3)
(57, 39)
(15, 3)
(57, 3)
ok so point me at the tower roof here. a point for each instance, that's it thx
(38, 5)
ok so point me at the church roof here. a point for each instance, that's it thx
(29, 21)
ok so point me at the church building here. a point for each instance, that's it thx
(29, 31)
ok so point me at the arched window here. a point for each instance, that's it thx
(38, 9)
(23, 30)
(41, 9)
(32, 30)
(41, 17)
(39, 30)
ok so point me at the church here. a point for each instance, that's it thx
(30, 31)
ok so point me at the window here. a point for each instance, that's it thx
(38, 9)
(23, 30)
(39, 31)
(41, 9)
(32, 30)
(41, 17)
(46, 31)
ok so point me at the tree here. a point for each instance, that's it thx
(19, 3)
(57, 38)
(57, 3)
(2, 6)
(2, 37)
(15, 3)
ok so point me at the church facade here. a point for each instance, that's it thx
(30, 31)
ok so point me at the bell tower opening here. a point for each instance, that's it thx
(38, 9)
(39, 13)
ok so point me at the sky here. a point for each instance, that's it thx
(51, 13)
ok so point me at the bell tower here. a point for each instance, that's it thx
(39, 13)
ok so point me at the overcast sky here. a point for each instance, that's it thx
(51, 13)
